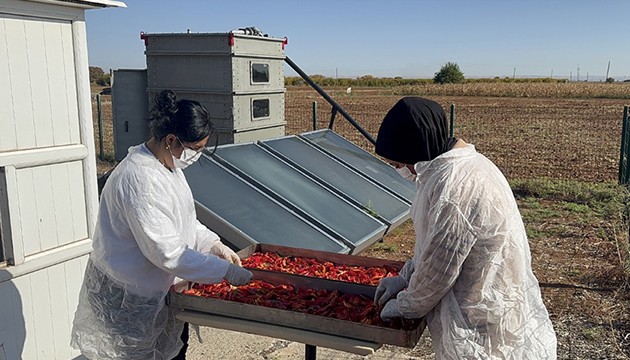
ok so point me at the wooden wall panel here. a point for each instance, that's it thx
(60, 181)
(74, 271)
(8, 310)
(72, 102)
(62, 314)
(39, 89)
(77, 199)
(52, 206)
(7, 128)
(29, 301)
(38, 78)
(38, 310)
(12, 331)
(57, 84)
(20, 85)
(27, 205)
(43, 314)
(46, 215)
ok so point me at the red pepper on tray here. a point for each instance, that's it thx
(314, 268)
(322, 302)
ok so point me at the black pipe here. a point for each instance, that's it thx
(332, 102)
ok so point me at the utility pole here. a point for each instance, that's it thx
(607, 70)
(578, 73)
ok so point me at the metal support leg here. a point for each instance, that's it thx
(310, 352)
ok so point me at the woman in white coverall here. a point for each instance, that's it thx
(470, 274)
(146, 236)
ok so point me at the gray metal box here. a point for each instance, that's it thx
(238, 113)
(130, 110)
(238, 78)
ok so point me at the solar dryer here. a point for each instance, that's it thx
(322, 194)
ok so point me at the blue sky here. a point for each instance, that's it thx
(412, 39)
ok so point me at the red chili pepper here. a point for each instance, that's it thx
(321, 302)
(314, 268)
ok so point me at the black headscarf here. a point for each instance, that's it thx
(415, 129)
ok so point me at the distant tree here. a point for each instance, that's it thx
(610, 80)
(103, 80)
(95, 73)
(449, 74)
(98, 76)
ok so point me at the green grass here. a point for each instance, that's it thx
(576, 208)
(564, 208)
(606, 199)
(387, 247)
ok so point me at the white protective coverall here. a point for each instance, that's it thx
(471, 274)
(146, 235)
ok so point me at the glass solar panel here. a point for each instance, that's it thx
(363, 162)
(356, 227)
(243, 215)
(340, 177)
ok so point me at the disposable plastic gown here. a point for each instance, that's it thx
(470, 274)
(146, 235)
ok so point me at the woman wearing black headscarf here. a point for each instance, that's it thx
(470, 274)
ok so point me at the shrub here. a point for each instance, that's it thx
(449, 74)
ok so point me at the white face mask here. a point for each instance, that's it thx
(187, 158)
(406, 173)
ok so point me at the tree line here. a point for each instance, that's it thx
(450, 73)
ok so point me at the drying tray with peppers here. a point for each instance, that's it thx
(306, 289)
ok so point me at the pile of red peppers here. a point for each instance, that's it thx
(314, 268)
(322, 302)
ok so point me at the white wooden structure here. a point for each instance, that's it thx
(48, 188)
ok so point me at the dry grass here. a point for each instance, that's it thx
(573, 90)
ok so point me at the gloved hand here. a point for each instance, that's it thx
(237, 276)
(390, 310)
(224, 252)
(387, 288)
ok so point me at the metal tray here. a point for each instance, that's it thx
(336, 258)
(293, 319)
(326, 325)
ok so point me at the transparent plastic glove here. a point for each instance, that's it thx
(387, 288)
(226, 253)
(237, 276)
(390, 310)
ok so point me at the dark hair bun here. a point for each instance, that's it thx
(187, 119)
(166, 102)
